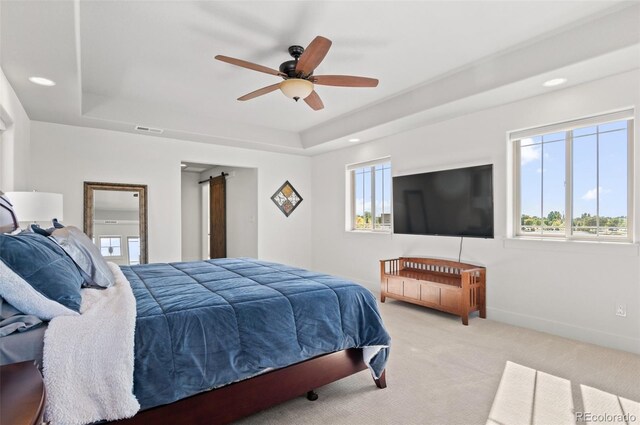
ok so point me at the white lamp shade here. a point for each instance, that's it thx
(36, 206)
(296, 87)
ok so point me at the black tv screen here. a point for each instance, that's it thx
(456, 202)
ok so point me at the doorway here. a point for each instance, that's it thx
(241, 190)
(241, 204)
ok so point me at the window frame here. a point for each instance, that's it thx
(110, 237)
(568, 128)
(351, 198)
(129, 250)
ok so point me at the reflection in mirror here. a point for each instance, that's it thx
(116, 225)
(115, 219)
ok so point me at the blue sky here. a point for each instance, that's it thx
(543, 164)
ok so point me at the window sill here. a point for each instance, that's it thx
(581, 246)
(370, 232)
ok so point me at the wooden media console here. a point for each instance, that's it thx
(444, 285)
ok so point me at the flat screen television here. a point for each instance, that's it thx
(457, 202)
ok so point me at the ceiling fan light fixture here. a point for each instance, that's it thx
(296, 88)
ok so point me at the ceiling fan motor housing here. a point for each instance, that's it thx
(289, 67)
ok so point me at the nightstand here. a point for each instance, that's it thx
(22, 394)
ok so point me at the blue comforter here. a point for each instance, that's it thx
(204, 324)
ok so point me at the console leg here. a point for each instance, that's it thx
(382, 381)
(382, 298)
(483, 312)
(312, 395)
(465, 319)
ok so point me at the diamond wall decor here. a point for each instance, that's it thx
(286, 198)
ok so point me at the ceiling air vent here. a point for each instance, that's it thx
(149, 129)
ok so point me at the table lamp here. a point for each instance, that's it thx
(36, 206)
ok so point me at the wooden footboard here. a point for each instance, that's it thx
(240, 399)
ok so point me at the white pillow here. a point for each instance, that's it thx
(85, 254)
(27, 299)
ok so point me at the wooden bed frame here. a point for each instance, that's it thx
(234, 401)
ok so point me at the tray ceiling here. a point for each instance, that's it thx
(122, 63)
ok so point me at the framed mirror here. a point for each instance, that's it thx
(115, 218)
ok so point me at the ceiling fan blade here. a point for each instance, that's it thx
(249, 65)
(313, 55)
(314, 101)
(344, 81)
(260, 92)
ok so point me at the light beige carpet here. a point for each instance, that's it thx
(443, 373)
(533, 397)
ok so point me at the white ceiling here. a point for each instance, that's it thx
(122, 63)
(115, 200)
(194, 167)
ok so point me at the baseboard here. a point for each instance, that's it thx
(372, 286)
(592, 336)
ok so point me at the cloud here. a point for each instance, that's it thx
(593, 193)
(529, 153)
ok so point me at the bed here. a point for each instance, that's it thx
(268, 316)
(217, 340)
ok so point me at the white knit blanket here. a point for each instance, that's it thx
(88, 359)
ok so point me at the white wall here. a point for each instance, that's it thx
(242, 209)
(191, 203)
(105, 214)
(15, 141)
(66, 156)
(569, 289)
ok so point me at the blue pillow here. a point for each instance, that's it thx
(44, 265)
(35, 228)
(47, 232)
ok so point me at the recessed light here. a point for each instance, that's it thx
(42, 81)
(555, 82)
(354, 140)
(183, 165)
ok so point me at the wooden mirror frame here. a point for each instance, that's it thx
(90, 187)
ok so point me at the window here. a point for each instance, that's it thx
(133, 247)
(574, 180)
(110, 246)
(370, 196)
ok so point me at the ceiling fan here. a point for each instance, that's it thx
(298, 75)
